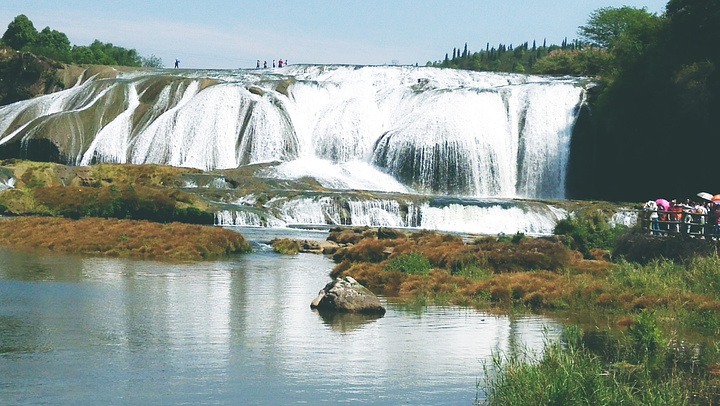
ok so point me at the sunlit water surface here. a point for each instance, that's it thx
(239, 331)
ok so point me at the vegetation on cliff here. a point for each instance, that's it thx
(121, 238)
(652, 113)
(655, 114)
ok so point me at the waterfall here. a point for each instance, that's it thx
(457, 215)
(393, 129)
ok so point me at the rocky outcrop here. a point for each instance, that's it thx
(349, 296)
(24, 75)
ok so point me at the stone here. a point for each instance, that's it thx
(349, 296)
(384, 233)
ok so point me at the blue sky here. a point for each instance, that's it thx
(235, 33)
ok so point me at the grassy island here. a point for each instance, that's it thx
(650, 325)
(121, 238)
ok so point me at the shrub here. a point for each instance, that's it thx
(367, 250)
(590, 231)
(645, 334)
(285, 246)
(412, 263)
(122, 202)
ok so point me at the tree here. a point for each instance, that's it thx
(20, 33)
(52, 44)
(607, 25)
(53, 39)
(695, 28)
(155, 62)
(82, 55)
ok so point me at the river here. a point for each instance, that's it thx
(77, 330)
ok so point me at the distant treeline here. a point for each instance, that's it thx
(649, 129)
(21, 35)
(573, 58)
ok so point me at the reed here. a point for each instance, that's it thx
(604, 368)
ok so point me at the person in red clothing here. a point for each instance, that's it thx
(676, 215)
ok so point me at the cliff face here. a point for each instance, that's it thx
(24, 75)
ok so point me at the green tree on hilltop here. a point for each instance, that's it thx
(53, 44)
(20, 33)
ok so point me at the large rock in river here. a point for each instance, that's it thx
(347, 295)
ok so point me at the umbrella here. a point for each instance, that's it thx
(716, 198)
(705, 196)
(663, 203)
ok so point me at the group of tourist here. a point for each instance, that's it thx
(692, 218)
(280, 64)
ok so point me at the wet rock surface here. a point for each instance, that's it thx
(346, 295)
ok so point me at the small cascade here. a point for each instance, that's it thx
(472, 217)
(491, 220)
(377, 213)
(238, 218)
(307, 211)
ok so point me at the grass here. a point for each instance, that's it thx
(533, 274)
(604, 368)
(121, 238)
(411, 263)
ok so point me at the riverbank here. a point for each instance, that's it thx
(121, 238)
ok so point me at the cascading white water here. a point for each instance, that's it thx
(387, 129)
(432, 130)
(468, 217)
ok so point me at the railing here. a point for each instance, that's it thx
(664, 223)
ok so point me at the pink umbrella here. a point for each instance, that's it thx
(662, 203)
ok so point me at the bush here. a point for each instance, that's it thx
(412, 263)
(590, 231)
(124, 202)
(645, 334)
(285, 246)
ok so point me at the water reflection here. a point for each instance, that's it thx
(345, 322)
(94, 330)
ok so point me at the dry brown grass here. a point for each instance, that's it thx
(535, 273)
(121, 238)
(539, 274)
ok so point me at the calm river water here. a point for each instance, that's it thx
(239, 331)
